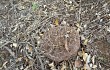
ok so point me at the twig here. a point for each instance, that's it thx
(28, 55)
(42, 66)
(75, 3)
(7, 42)
(79, 19)
(10, 51)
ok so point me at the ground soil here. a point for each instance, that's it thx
(23, 22)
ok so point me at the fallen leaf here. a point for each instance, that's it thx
(78, 30)
(88, 58)
(78, 25)
(56, 22)
(85, 55)
(41, 34)
(91, 65)
(30, 49)
(63, 22)
(82, 37)
(94, 66)
(85, 41)
(15, 44)
(21, 67)
(108, 29)
(86, 67)
(54, 7)
(63, 67)
(19, 59)
(80, 53)
(93, 59)
(72, 8)
(52, 66)
(4, 65)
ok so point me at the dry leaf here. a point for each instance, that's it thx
(72, 8)
(63, 22)
(30, 64)
(38, 42)
(21, 67)
(52, 66)
(85, 55)
(16, 27)
(15, 44)
(30, 49)
(85, 41)
(78, 25)
(4, 65)
(19, 59)
(27, 68)
(54, 7)
(40, 34)
(80, 53)
(93, 59)
(108, 29)
(88, 58)
(63, 67)
(82, 37)
(56, 22)
(78, 30)
(91, 65)
(86, 67)
(94, 66)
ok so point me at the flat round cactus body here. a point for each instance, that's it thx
(60, 43)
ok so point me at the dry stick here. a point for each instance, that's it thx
(12, 66)
(75, 3)
(42, 24)
(66, 43)
(30, 45)
(52, 44)
(28, 55)
(10, 51)
(42, 66)
(35, 51)
(104, 64)
(79, 19)
(7, 42)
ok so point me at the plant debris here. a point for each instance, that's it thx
(33, 34)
